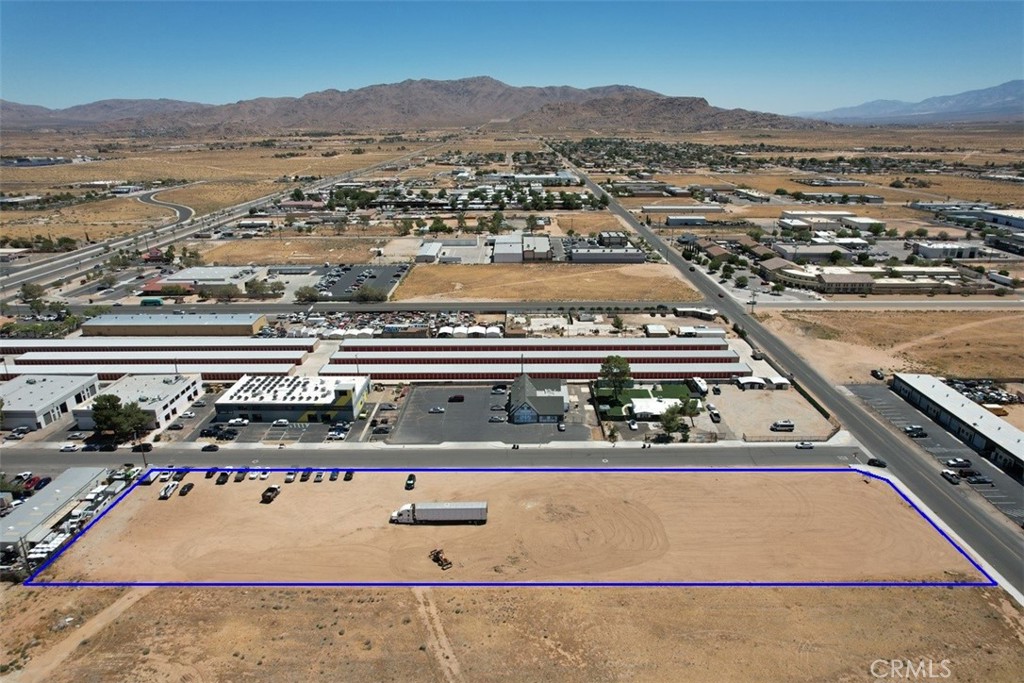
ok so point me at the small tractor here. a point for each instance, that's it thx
(437, 556)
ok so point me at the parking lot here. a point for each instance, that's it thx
(342, 282)
(1005, 493)
(469, 419)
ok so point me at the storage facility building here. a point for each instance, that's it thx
(163, 325)
(34, 401)
(294, 398)
(163, 397)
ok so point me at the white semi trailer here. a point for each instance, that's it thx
(441, 513)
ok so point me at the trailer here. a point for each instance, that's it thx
(150, 477)
(441, 513)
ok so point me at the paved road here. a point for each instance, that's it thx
(990, 534)
(48, 461)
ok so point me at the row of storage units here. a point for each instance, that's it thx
(513, 368)
(554, 345)
(221, 372)
(13, 347)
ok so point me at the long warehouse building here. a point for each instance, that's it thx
(222, 372)
(11, 347)
(506, 359)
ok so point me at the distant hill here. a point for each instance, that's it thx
(1000, 103)
(14, 115)
(641, 112)
(409, 104)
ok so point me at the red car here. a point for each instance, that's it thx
(31, 483)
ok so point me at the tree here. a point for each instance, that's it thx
(307, 294)
(123, 420)
(613, 434)
(32, 292)
(691, 410)
(298, 195)
(367, 294)
(531, 223)
(778, 287)
(670, 420)
(835, 257)
(617, 322)
(741, 281)
(615, 373)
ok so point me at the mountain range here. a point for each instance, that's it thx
(1001, 102)
(476, 101)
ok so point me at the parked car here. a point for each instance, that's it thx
(108, 447)
(456, 398)
(319, 477)
(188, 413)
(90, 447)
(348, 475)
(958, 462)
(334, 475)
(76, 435)
(31, 483)
(42, 483)
(211, 447)
(950, 476)
(281, 422)
(144, 447)
(878, 374)
(211, 473)
(979, 480)
(200, 404)
(68, 448)
(289, 477)
(497, 406)
(186, 488)
(436, 410)
(561, 426)
(632, 425)
(176, 426)
(388, 406)
(253, 475)
(805, 445)
(381, 430)
(496, 418)
(222, 478)
(306, 475)
(410, 482)
(238, 422)
(264, 475)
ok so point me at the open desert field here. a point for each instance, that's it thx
(542, 527)
(586, 222)
(544, 282)
(99, 220)
(955, 187)
(846, 345)
(273, 251)
(457, 635)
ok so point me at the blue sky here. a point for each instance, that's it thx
(782, 57)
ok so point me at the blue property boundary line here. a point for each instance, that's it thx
(991, 582)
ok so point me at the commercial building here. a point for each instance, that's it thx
(162, 397)
(1012, 218)
(613, 239)
(533, 400)
(991, 436)
(31, 524)
(944, 250)
(610, 255)
(813, 253)
(536, 248)
(508, 249)
(293, 398)
(861, 223)
(163, 325)
(208, 276)
(651, 408)
(684, 208)
(221, 372)
(428, 253)
(34, 401)
(751, 195)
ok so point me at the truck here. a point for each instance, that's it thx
(441, 513)
(150, 477)
(270, 494)
(151, 301)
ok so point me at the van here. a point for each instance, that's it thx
(782, 426)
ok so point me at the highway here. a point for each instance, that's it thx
(987, 531)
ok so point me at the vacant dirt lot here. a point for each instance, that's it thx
(273, 251)
(541, 527)
(544, 282)
(586, 222)
(845, 345)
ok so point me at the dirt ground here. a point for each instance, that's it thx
(586, 222)
(542, 527)
(303, 250)
(544, 282)
(99, 220)
(846, 345)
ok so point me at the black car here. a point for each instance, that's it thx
(210, 447)
(348, 475)
(381, 430)
(410, 482)
(208, 432)
(179, 475)
(90, 447)
(978, 480)
(108, 447)
(211, 473)
(878, 374)
(876, 462)
(334, 475)
(142, 447)
(176, 426)
(186, 488)
(920, 434)
(222, 478)
(457, 398)
(306, 475)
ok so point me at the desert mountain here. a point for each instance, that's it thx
(642, 112)
(409, 104)
(14, 115)
(999, 103)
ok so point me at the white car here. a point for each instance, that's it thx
(238, 422)
(188, 413)
(265, 474)
(281, 422)
(68, 448)
(805, 445)
(166, 475)
(632, 425)
(76, 435)
(253, 474)
(337, 436)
